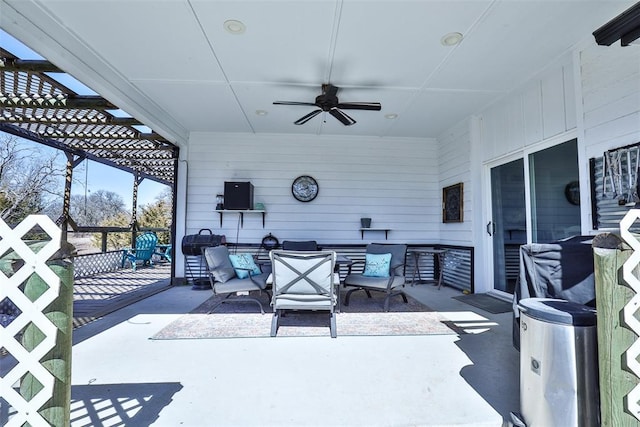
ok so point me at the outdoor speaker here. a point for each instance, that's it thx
(238, 195)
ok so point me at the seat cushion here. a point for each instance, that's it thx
(244, 265)
(377, 265)
(219, 264)
(379, 283)
(304, 302)
(241, 285)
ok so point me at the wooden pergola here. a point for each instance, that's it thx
(37, 107)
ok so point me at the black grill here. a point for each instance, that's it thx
(192, 244)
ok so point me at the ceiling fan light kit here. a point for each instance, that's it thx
(328, 102)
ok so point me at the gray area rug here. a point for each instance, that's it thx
(486, 303)
(363, 317)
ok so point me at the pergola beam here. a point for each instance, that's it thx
(61, 134)
(31, 65)
(60, 102)
(102, 119)
(91, 146)
(23, 133)
(36, 106)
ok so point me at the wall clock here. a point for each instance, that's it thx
(572, 192)
(304, 188)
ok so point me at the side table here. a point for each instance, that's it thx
(438, 264)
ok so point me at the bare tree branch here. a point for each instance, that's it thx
(29, 179)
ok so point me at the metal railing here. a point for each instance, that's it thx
(458, 270)
(105, 261)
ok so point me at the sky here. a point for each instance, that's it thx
(90, 176)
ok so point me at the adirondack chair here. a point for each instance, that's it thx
(143, 251)
(164, 252)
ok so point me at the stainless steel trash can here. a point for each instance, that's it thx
(558, 363)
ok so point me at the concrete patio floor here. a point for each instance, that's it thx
(121, 377)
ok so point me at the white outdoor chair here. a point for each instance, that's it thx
(303, 280)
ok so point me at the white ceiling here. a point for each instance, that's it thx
(171, 64)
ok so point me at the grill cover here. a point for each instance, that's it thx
(561, 270)
(192, 244)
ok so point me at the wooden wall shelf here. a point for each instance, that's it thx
(386, 231)
(241, 212)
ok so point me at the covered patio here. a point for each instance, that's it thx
(454, 102)
(447, 108)
(467, 378)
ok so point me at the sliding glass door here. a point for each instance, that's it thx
(555, 193)
(508, 224)
(551, 176)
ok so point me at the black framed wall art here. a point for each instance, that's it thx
(452, 197)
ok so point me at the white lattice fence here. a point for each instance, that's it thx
(630, 311)
(89, 265)
(36, 336)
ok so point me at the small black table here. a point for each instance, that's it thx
(438, 257)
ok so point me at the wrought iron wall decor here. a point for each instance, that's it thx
(452, 203)
(614, 185)
(621, 174)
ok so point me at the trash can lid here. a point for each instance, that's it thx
(558, 311)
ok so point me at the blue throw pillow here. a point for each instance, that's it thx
(377, 265)
(244, 265)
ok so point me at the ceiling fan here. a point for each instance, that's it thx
(328, 101)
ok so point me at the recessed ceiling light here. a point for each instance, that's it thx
(451, 39)
(391, 116)
(261, 112)
(234, 26)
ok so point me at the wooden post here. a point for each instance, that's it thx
(614, 337)
(38, 280)
(103, 246)
(58, 360)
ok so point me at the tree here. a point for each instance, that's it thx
(104, 209)
(152, 215)
(29, 179)
(115, 241)
(158, 215)
(97, 208)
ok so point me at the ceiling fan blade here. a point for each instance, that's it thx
(375, 106)
(344, 118)
(294, 103)
(304, 119)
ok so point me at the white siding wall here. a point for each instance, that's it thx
(610, 97)
(395, 181)
(542, 109)
(606, 115)
(609, 104)
(454, 149)
(398, 182)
